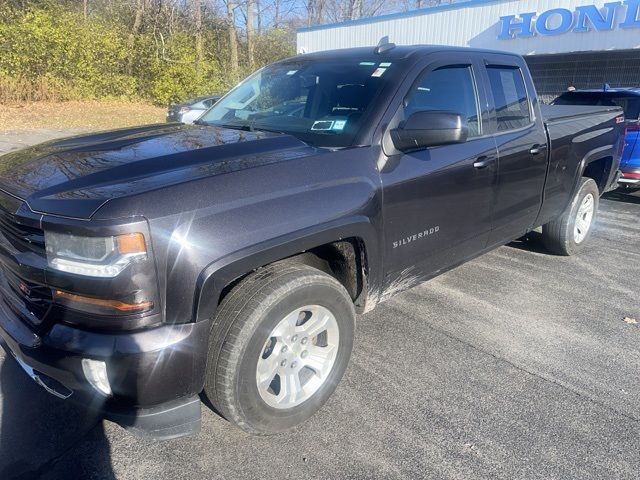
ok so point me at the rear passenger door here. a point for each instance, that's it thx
(521, 144)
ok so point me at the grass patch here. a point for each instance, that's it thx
(89, 115)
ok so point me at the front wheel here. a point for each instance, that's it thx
(567, 234)
(280, 344)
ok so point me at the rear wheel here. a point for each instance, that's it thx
(280, 344)
(567, 234)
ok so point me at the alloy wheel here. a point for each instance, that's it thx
(584, 217)
(297, 357)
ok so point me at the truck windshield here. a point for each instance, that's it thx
(322, 102)
(629, 103)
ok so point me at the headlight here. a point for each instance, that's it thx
(93, 256)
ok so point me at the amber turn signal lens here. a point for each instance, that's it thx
(131, 243)
(103, 303)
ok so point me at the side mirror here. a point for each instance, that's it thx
(429, 129)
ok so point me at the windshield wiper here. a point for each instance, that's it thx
(270, 130)
(246, 128)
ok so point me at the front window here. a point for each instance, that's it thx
(322, 102)
(450, 88)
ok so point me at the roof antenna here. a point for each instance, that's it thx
(384, 45)
(606, 87)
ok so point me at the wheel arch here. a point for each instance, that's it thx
(599, 169)
(356, 237)
(596, 163)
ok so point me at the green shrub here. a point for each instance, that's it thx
(50, 52)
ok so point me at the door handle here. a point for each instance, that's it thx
(536, 149)
(483, 162)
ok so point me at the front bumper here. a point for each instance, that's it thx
(155, 374)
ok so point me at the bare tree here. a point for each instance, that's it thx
(316, 11)
(276, 13)
(197, 5)
(137, 25)
(340, 10)
(259, 16)
(233, 40)
(137, 21)
(250, 34)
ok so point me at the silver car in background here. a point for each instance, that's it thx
(190, 111)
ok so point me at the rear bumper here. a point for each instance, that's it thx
(629, 181)
(155, 375)
(629, 178)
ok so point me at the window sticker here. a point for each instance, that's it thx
(291, 72)
(378, 72)
(339, 124)
(385, 64)
(322, 125)
(368, 64)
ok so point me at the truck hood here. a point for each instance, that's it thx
(74, 177)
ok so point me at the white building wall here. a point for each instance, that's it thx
(474, 24)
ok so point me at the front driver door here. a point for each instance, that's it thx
(438, 201)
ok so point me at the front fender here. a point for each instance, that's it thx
(220, 273)
(257, 215)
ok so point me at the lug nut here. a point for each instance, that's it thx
(304, 341)
(284, 349)
(283, 363)
(294, 364)
(294, 338)
(304, 354)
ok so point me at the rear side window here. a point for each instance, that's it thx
(510, 96)
(451, 89)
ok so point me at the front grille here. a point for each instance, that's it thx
(29, 300)
(22, 272)
(22, 237)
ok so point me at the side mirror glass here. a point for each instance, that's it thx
(430, 129)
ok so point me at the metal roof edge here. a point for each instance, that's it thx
(393, 16)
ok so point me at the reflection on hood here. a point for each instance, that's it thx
(89, 170)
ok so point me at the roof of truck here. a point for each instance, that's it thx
(398, 52)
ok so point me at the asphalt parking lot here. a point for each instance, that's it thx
(516, 365)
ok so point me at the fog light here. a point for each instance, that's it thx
(95, 372)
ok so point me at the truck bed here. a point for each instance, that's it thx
(559, 113)
(575, 134)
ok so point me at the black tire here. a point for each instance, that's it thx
(558, 235)
(243, 324)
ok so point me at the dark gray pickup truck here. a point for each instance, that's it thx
(141, 269)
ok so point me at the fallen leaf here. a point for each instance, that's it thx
(629, 320)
